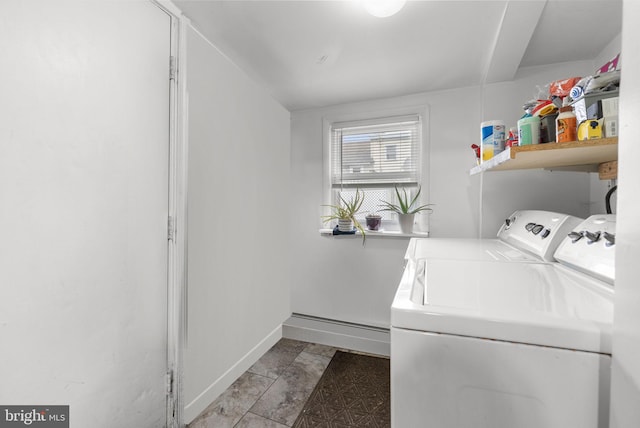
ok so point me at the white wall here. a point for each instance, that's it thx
(83, 191)
(625, 388)
(339, 278)
(238, 283)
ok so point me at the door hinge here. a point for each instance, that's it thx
(172, 68)
(171, 228)
(170, 382)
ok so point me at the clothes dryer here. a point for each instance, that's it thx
(480, 344)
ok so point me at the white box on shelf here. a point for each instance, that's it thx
(609, 107)
(611, 126)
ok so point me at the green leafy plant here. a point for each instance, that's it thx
(347, 210)
(404, 206)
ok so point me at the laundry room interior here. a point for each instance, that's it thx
(174, 177)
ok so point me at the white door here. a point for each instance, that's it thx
(84, 145)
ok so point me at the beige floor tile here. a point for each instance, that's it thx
(314, 348)
(274, 362)
(286, 397)
(291, 345)
(231, 406)
(251, 420)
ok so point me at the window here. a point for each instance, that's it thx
(392, 153)
(375, 155)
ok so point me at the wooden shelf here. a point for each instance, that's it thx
(572, 156)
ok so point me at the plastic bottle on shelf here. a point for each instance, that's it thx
(566, 125)
(529, 130)
(492, 140)
(512, 140)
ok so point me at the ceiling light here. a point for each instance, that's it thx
(383, 8)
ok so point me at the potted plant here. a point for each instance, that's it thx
(374, 220)
(405, 208)
(345, 214)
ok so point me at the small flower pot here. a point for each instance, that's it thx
(406, 223)
(345, 225)
(373, 222)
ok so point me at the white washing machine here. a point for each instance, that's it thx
(480, 344)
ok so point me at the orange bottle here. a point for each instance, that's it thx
(566, 125)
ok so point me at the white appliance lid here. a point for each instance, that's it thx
(465, 249)
(538, 304)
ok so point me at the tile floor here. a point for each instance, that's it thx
(272, 393)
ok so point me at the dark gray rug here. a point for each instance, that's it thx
(354, 391)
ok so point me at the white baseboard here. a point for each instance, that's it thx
(372, 340)
(208, 396)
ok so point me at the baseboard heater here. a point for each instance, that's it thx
(339, 334)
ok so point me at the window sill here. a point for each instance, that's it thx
(376, 234)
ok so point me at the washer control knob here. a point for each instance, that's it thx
(575, 237)
(592, 237)
(545, 233)
(610, 238)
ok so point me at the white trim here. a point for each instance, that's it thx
(372, 340)
(371, 121)
(177, 257)
(376, 234)
(208, 396)
(168, 7)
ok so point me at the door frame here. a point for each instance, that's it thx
(177, 216)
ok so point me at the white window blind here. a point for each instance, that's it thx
(375, 153)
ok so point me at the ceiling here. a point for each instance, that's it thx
(318, 53)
